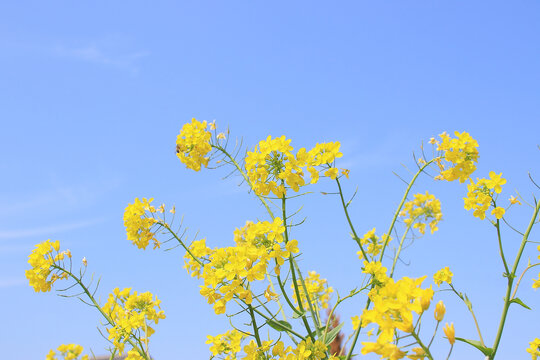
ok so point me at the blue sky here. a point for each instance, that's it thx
(93, 95)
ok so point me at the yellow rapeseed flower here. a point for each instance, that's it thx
(318, 290)
(193, 144)
(41, 276)
(138, 223)
(423, 209)
(462, 154)
(481, 193)
(534, 348)
(443, 275)
(131, 312)
(68, 352)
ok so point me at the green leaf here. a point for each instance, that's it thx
(298, 315)
(467, 302)
(332, 334)
(518, 301)
(319, 330)
(279, 325)
(477, 344)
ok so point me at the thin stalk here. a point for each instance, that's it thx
(166, 226)
(246, 178)
(469, 306)
(426, 350)
(400, 247)
(295, 282)
(277, 299)
(398, 210)
(269, 318)
(113, 354)
(520, 278)
(434, 333)
(287, 299)
(356, 238)
(357, 333)
(450, 352)
(314, 314)
(254, 323)
(501, 252)
(511, 281)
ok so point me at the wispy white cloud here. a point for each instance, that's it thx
(46, 230)
(97, 55)
(58, 195)
(113, 51)
(12, 282)
(127, 61)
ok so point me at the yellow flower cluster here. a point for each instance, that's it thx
(372, 244)
(462, 153)
(422, 210)
(305, 350)
(443, 275)
(394, 303)
(138, 223)
(272, 165)
(534, 348)
(41, 259)
(69, 352)
(193, 144)
(131, 312)
(377, 271)
(318, 290)
(227, 271)
(134, 355)
(480, 195)
(226, 345)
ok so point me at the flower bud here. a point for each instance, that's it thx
(450, 333)
(440, 310)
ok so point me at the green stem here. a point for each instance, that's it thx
(287, 299)
(355, 236)
(314, 314)
(426, 350)
(450, 352)
(295, 281)
(469, 306)
(399, 248)
(277, 298)
(254, 323)
(501, 252)
(434, 333)
(357, 333)
(113, 354)
(398, 210)
(269, 318)
(520, 278)
(511, 281)
(166, 226)
(246, 178)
